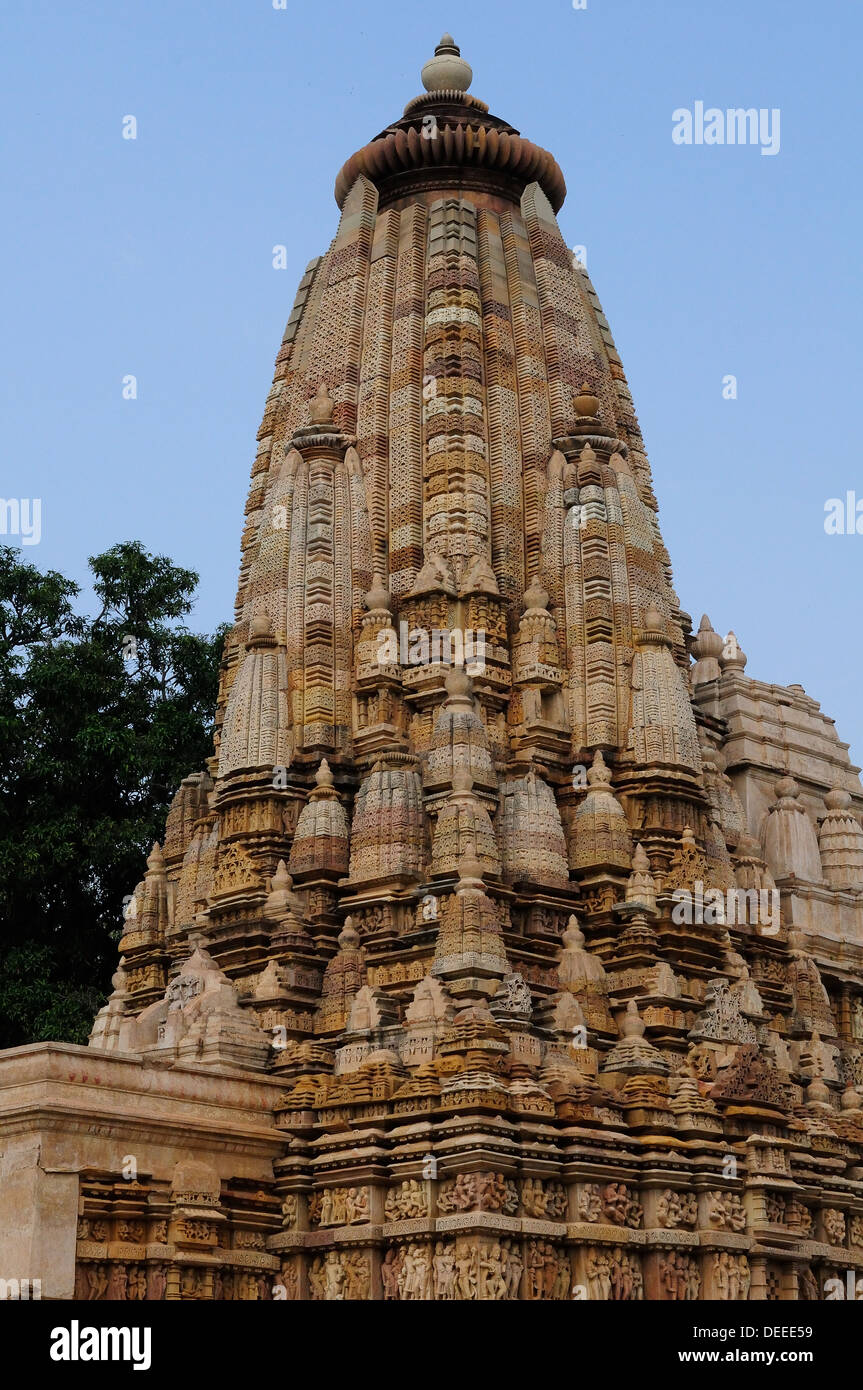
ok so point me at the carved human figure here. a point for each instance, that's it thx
(357, 1204)
(721, 1275)
(599, 1275)
(621, 1273)
(421, 1272)
(289, 1210)
(443, 1265)
(513, 1268)
(97, 1282)
(549, 1270)
(465, 1263)
(492, 1282)
(358, 1275)
(335, 1278)
(590, 1203)
(807, 1285)
(563, 1279)
(671, 1275)
(390, 1269)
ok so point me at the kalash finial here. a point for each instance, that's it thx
(447, 71)
(321, 406)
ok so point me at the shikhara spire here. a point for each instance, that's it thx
(428, 941)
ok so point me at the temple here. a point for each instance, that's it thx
(510, 946)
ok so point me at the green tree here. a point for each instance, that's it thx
(100, 719)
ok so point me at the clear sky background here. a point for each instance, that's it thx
(154, 257)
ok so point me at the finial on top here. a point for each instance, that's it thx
(598, 774)
(586, 404)
(321, 407)
(260, 627)
(377, 596)
(349, 937)
(323, 776)
(536, 596)
(457, 683)
(653, 620)
(838, 799)
(462, 780)
(632, 1024)
(573, 937)
(447, 71)
(155, 859)
(732, 657)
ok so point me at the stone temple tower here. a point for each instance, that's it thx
(500, 952)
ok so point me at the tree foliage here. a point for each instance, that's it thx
(100, 719)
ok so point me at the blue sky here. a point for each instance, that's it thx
(154, 257)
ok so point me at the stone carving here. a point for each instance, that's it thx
(731, 1276)
(543, 1199)
(679, 1276)
(547, 1271)
(614, 1274)
(725, 1211)
(339, 1206)
(452, 1270)
(290, 1210)
(407, 1201)
(807, 1285)
(132, 1232)
(788, 838)
(833, 1222)
(722, 1020)
(97, 1281)
(341, 1277)
(675, 1209)
(290, 1281)
(613, 1203)
(478, 1192)
(514, 997)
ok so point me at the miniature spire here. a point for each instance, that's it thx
(641, 887)
(841, 842)
(732, 657)
(602, 838)
(321, 838)
(634, 1054)
(706, 648)
(789, 837)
